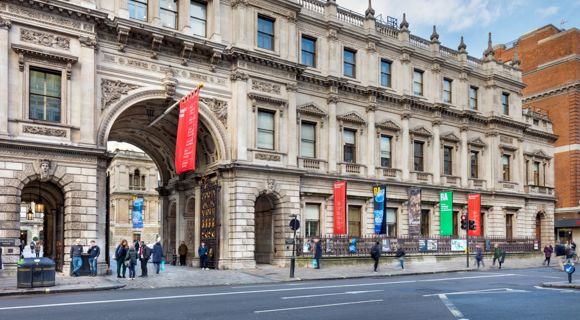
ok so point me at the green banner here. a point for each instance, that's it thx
(446, 213)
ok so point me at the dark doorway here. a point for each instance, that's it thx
(264, 230)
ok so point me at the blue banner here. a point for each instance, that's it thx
(137, 213)
(379, 195)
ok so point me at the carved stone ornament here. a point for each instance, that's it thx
(332, 35)
(236, 3)
(169, 83)
(421, 132)
(267, 157)
(44, 39)
(156, 45)
(4, 23)
(215, 60)
(237, 75)
(266, 87)
(186, 52)
(122, 37)
(89, 42)
(45, 169)
(112, 90)
(270, 184)
(44, 131)
(64, 60)
(218, 107)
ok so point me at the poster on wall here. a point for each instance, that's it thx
(386, 245)
(474, 213)
(414, 211)
(340, 207)
(446, 213)
(379, 200)
(458, 244)
(427, 245)
(137, 213)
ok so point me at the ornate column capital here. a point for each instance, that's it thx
(5, 23)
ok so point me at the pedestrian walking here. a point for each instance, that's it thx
(22, 245)
(317, 252)
(131, 261)
(376, 255)
(202, 252)
(496, 253)
(144, 255)
(548, 250)
(32, 245)
(76, 250)
(120, 255)
(182, 250)
(479, 256)
(94, 253)
(37, 248)
(400, 254)
(157, 255)
(501, 257)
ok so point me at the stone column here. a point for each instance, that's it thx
(153, 13)
(406, 143)
(216, 33)
(179, 219)
(436, 161)
(332, 134)
(239, 110)
(371, 141)
(197, 240)
(292, 45)
(4, 52)
(492, 161)
(464, 156)
(241, 25)
(334, 54)
(87, 86)
(292, 127)
(183, 22)
(519, 167)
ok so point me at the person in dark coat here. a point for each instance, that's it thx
(479, 256)
(120, 254)
(317, 252)
(144, 255)
(400, 254)
(182, 250)
(202, 252)
(376, 254)
(157, 256)
(76, 251)
(94, 253)
(548, 250)
(131, 260)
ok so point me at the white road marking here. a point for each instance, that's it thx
(451, 307)
(270, 285)
(484, 291)
(245, 292)
(330, 294)
(319, 306)
(555, 289)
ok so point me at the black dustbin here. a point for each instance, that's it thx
(35, 272)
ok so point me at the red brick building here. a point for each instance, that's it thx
(550, 63)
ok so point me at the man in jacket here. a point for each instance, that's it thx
(182, 250)
(76, 251)
(376, 254)
(202, 252)
(94, 253)
(400, 254)
(144, 255)
(317, 252)
(157, 256)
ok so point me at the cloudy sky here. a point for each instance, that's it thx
(505, 19)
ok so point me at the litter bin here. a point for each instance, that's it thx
(35, 272)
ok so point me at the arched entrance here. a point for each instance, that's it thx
(43, 203)
(264, 229)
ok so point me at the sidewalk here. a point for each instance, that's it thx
(175, 276)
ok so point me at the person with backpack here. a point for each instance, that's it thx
(400, 254)
(120, 255)
(144, 255)
(376, 255)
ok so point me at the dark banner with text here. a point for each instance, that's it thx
(414, 212)
(340, 207)
(474, 213)
(185, 145)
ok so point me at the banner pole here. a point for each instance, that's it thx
(199, 86)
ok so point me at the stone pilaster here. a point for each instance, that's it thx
(216, 32)
(87, 87)
(371, 154)
(292, 128)
(5, 26)
(406, 144)
(436, 160)
(332, 134)
(239, 111)
(464, 158)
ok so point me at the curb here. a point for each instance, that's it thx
(561, 285)
(19, 292)
(378, 275)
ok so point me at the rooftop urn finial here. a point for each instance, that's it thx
(370, 12)
(489, 51)
(516, 60)
(404, 24)
(462, 46)
(434, 35)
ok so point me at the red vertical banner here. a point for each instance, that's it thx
(185, 144)
(340, 207)
(474, 213)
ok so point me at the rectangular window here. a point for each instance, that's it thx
(425, 223)
(505, 103)
(312, 220)
(349, 63)
(308, 140)
(448, 160)
(138, 9)
(455, 223)
(265, 130)
(536, 173)
(473, 98)
(505, 163)
(474, 160)
(354, 218)
(391, 222)
(385, 151)
(418, 155)
(198, 18)
(349, 137)
(544, 175)
(45, 95)
(447, 86)
(418, 82)
(527, 172)
(386, 73)
(265, 33)
(168, 13)
(509, 223)
(309, 51)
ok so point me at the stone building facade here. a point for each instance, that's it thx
(551, 71)
(133, 174)
(298, 94)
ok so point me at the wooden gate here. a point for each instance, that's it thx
(210, 219)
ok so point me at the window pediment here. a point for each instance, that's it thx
(388, 125)
(311, 109)
(538, 154)
(477, 142)
(450, 137)
(352, 117)
(507, 148)
(281, 104)
(61, 59)
(421, 132)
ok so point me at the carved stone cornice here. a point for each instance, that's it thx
(239, 76)
(156, 41)
(5, 23)
(265, 60)
(538, 154)
(255, 97)
(60, 58)
(186, 52)
(450, 137)
(122, 36)
(112, 90)
(44, 39)
(421, 132)
(89, 42)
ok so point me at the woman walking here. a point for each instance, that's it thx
(131, 260)
(479, 256)
(157, 256)
(120, 255)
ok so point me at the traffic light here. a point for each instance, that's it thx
(471, 224)
(463, 222)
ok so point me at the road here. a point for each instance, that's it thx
(503, 294)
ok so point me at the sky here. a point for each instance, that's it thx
(506, 20)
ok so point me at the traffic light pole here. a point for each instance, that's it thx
(467, 245)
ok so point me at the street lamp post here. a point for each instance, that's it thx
(294, 225)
